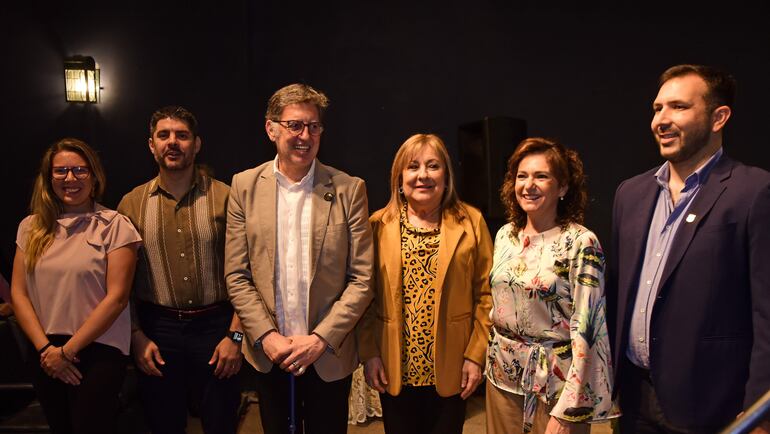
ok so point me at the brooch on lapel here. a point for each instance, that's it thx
(690, 218)
(328, 196)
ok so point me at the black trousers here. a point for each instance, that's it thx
(639, 402)
(420, 410)
(188, 380)
(92, 406)
(320, 407)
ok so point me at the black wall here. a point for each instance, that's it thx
(585, 76)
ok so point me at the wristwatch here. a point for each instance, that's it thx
(236, 336)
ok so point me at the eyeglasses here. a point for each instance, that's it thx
(79, 172)
(297, 127)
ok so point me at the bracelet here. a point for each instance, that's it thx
(45, 347)
(64, 355)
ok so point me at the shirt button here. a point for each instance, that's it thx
(642, 310)
(179, 230)
(657, 254)
(189, 301)
(186, 278)
(641, 339)
(181, 254)
(649, 282)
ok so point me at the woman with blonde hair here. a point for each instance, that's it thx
(423, 339)
(72, 274)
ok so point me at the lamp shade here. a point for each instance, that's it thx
(81, 79)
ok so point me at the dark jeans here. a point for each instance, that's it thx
(420, 410)
(186, 346)
(92, 406)
(320, 407)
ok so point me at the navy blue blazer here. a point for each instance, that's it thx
(710, 325)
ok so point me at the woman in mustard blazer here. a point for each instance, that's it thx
(423, 339)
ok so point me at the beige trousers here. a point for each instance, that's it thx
(505, 414)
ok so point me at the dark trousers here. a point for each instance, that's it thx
(639, 402)
(188, 380)
(420, 410)
(320, 407)
(92, 406)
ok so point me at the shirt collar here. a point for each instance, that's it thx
(696, 178)
(198, 182)
(286, 182)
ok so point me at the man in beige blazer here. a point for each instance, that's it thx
(299, 269)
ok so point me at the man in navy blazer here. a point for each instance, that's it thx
(691, 269)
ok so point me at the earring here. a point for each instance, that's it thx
(561, 197)
(400, 190)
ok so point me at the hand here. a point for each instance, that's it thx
(762, 428)
(558, 426)
(54, 364)
(146, 354)
(374, 373)
(276, 346)
(6, 309)
(306, 349)
(471, 378)
(227, 355)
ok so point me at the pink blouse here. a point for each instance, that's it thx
(70, 278)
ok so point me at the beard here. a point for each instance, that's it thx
(697, 139)
(178, 164)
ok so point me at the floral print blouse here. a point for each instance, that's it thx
(549, 338)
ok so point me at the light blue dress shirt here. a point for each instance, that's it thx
(666, 220)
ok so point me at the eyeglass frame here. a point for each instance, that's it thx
(304, 125)
(68, 170)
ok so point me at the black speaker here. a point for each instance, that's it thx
(485, 147)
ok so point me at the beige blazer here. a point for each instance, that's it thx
(462, 290)
(340, 262)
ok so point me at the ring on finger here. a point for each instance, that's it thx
(294, 364)
(301, 370)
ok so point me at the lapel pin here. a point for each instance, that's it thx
(690, 218)
(329, 196)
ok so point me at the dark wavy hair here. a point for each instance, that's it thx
(721, 85)
(566, 167)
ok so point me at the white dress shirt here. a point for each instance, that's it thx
(292, 261)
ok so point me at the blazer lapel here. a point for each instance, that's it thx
(700, 207)
(391, 240)
(265, 203)
(634, 231)
(323, 190)
(451, 232)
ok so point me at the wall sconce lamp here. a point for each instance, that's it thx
(81, 79)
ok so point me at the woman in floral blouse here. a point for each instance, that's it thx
(548, 363)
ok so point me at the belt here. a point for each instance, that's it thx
(187, 314)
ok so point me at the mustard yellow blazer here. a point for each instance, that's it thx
(462, 291)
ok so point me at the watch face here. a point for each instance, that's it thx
(237, 337)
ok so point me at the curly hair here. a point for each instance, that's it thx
(174, 112)
(567, 168)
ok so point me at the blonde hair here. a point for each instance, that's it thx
(46, 207)
(449, 203)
